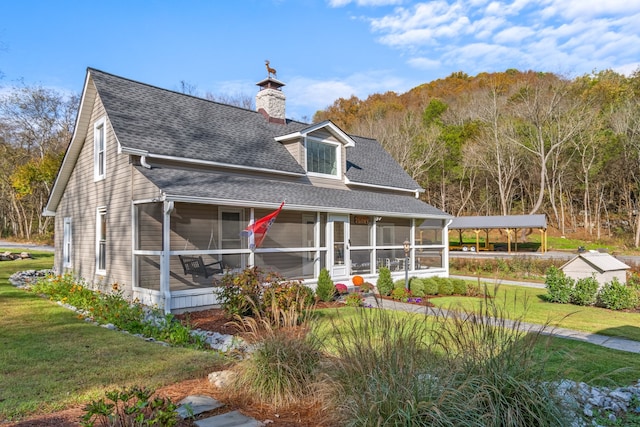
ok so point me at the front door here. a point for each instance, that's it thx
(338, 242)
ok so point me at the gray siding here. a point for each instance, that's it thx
(80, 201)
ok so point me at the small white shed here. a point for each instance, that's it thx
(602, 266)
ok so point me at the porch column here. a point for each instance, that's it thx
(165, 291)
(445, 241)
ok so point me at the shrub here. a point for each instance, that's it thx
(384, 283)
(377, 378)
(585, 291)
(133, 406)
(430, 286)
(416, 286)
(325, 289)
(353, 300)
(400, 294)
(283, 365)
(288, 295)
(559, 287)
(241, 294)
(445, 286)
(400, 283)
(617, 296)
(459, 286)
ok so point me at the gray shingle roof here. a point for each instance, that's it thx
(208, 185)
(169, 123)
(369, 163)
(174, 124)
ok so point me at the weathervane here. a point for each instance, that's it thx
(270, 70)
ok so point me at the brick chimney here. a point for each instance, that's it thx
(270, 100)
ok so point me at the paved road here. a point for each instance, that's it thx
(19, 247)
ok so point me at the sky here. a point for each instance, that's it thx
(322, 49)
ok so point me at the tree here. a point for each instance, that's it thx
(491, 151)
(547, 117)
(36, 125)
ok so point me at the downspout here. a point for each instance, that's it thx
(143, 162)
(165, 290)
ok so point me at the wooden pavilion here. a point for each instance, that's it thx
(509, 223)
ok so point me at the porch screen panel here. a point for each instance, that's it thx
(179, 280)
(288, 230)
(429, 258)
(290, 264)
(390, 235)
(149, 218)
(194, 227)
(429, 232)
(360, 232)
(148, 267)
(361, 261)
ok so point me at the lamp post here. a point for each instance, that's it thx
(406, 246)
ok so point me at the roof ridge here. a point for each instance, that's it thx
(91, 69)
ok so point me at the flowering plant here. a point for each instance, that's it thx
(341, 288)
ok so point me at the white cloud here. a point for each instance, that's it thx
(424, 63)
(483, 35)
(513, 35)
(305, 96)
(586, 9)
(628, 69)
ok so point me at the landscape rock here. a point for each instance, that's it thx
(221, 379)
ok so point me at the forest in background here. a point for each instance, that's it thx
(36, 125)
(493, 144)
(515, 142)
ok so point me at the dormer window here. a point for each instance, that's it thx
(323, 157)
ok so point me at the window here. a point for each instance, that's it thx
(101, 241)
(99, 150)
(66, 243)
(322, 157)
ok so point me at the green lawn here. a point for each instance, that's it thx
(528, 304)
(50, 358)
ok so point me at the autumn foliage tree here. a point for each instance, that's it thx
(516, 143)
(36, 125)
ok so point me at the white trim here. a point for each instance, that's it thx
(165, 287)
(344, 138)
(67, 242)
(338, 149)
(99, 157)
(303, 208)
(188, 160)
(101, 211)
(383, 187)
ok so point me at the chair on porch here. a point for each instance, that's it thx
(195, 265)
